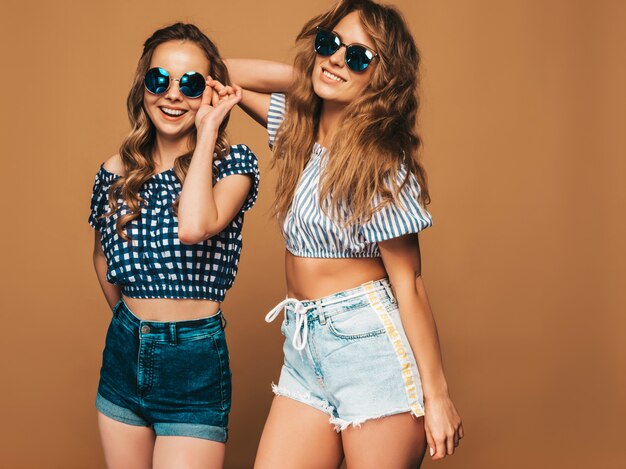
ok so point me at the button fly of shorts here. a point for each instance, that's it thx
(145, 362)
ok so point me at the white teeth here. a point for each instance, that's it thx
(172, 112)
(331, 76)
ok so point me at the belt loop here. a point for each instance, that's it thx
(320, 313)
(285, 312)
(173, 338)
(223, 319)
(116, 308)
(387, 286)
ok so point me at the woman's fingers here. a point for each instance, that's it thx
(207, 95)
(238, 92)
(440, 448)
(458, 434)
(223, 92)
(430, 441)
(226, 91)
(450, 443)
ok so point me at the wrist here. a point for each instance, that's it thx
(208, 131)
(435, 391)
(430, 398)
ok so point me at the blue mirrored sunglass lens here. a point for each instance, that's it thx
(157, 80)
(358, 58)
(326, 43)
(192, 84)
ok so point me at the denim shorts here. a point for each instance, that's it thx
(172, 376)
(347, 355)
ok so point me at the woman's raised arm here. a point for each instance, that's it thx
(259, 78)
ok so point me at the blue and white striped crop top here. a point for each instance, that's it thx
(155, 264)
(309, 232)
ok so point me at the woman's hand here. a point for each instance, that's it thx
(217, 101)
(443, 427)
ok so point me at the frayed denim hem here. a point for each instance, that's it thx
(341, 424)
(304, 399)
(338, 423)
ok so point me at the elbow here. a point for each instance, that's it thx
(195, 235)
(191, 236)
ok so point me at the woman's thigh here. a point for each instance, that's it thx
(298, 436)
(394, 442)
(125, 446)
(181, 452)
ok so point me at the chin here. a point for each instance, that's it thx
(324, 93)
(171, 130)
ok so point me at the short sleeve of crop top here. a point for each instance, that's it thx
(240, 160)
(402, 216)
(275, 115)
(99, 199)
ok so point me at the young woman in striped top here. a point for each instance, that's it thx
(350, 199)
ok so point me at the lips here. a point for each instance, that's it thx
(172, 113)
(331, 77)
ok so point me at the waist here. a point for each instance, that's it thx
(168, 309)
(307, 312)
(317, 278)
(350, 299)
(168, 331)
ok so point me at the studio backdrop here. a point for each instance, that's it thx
(523, 112)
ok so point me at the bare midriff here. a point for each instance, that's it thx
(312, 278)
(170, 310)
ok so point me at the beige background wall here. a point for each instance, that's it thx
(523, 118)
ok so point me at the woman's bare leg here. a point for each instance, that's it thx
(394, 442)
(182, 452)
(125, 446)
(298, 436)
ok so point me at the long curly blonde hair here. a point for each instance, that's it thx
(377, 133)
(137, 148)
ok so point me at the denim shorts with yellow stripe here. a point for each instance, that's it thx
(347, 355)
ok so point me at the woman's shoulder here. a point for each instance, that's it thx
(114, 165)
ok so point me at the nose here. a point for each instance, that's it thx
(173, 92)
(337, 58)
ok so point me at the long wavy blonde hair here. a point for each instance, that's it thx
(137, 148)
(377, 132)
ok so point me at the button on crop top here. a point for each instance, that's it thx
(155, 264)
(309, 232)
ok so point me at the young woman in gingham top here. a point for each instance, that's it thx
(350, 199)
(168, 212)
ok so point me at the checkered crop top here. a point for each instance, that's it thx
(155, 264)
(309, 232)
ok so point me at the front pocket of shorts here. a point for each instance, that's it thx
(119, 354)
(357, 324)
(195, 372)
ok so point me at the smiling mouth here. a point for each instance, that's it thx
(332, 76)
(172, 112)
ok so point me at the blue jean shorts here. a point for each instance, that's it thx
(172, 376)
(347, 355)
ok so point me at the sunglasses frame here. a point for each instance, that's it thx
(170, 80)
(347, 46)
